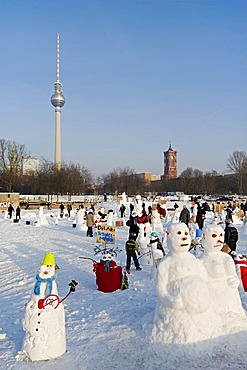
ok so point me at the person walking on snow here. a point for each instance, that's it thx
(231, 235)
(122, 210)
(132, 223)
(131, 248)
(184, 215)
(90, 222)
(18, 213)
(10, 210)
(61, 209)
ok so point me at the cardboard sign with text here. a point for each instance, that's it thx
(106, 234)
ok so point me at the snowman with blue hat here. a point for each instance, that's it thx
(157, 249)
(44, 319)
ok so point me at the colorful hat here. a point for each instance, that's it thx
(49, 259)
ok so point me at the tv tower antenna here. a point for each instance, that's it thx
(58, 101)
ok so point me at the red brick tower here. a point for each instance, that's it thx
(170, 163)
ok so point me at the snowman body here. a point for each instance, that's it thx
(183, 301)
(45, 336)
(110, 218)
(157, 223)
(223, 281)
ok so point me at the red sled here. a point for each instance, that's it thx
(108, 276)
(241, 265)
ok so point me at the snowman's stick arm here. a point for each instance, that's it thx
(141, 256)
(72, 289)
(88, 258)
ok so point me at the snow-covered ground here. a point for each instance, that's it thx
(104, 330)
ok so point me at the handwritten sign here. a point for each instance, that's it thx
(106, 234)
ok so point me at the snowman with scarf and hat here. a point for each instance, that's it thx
(44, 319)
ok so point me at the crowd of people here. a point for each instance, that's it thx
(138, 215)
(195, 215)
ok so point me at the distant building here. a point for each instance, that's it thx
(30, 164)
(147, 177)
(170, 163)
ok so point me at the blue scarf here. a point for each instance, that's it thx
(48, 285)
(107, 266)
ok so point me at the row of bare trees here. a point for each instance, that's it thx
(76, 179)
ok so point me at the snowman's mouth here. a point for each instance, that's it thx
(219, 244)
(184, 245)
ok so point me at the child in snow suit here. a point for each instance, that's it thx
(131, 248)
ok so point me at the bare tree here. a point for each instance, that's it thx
(122, 179)
(237, 163)
(11, 157)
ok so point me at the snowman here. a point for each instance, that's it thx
(138, 204)
(146, 256)
(44, 319)
(110, 218)
(156, 247)
(123, 199)
(80, 218)
(175, 216)
(157, 224)
(182, 312)
(41, 218)
(223, 281)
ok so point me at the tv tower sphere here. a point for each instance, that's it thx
(58, 101)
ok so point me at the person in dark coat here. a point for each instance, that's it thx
(200, 216)
(149, 215)
(131, 248)
(61, 209)
(18, 213)
(231, 235)
(10, 210)
(228, 214)
(122, 210)
(184, 215)
(134, 229)
(69, 209)
(131, 208)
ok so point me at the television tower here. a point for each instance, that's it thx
(58, 101)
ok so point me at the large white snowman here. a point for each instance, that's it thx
(44, 319)
(157, 223)
(80, 218)
(138, 204)
(182, 312)
(223, 281)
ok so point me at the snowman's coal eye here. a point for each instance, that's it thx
(214, 235)
(221, 234)
(186, 233)
(179, 232)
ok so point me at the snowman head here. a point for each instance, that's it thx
(48, 267)
(46, 271)
(213, 238)
(106, 257)
(178, 238)
(153, 235)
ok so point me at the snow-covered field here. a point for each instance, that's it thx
(104, 330)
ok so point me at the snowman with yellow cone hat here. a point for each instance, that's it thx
(44, 319)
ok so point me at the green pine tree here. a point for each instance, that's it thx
(125, 281)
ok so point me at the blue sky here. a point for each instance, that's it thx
(136, 75)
